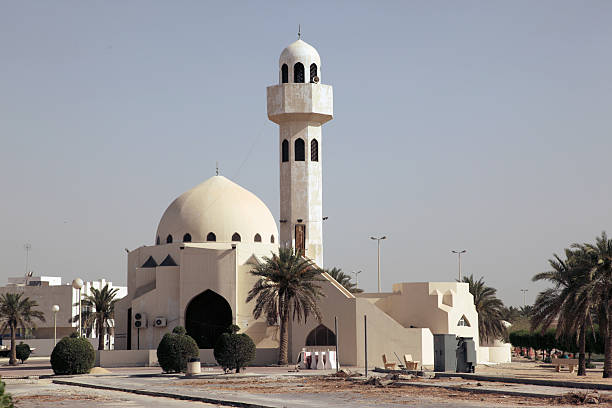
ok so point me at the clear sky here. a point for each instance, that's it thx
(475, 125)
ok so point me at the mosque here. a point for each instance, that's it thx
(197, 272)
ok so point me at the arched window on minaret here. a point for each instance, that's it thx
(298, 73)
(271, 239)
(169, 239)
(236, 237)
(211, 236)
(313, 72)
(299, 150)
(187, 237)
(284, 74)
(285, 151)
(314, 150)
(257, 238)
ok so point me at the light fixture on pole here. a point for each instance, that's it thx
(378, 240)
(524, 296)
(78, 285)
(459, 252)
(55, 309)
(356, 277)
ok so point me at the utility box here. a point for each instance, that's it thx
(466, 355)
(445, 352)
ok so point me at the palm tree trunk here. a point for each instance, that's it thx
(100, 335)
(582, 350)
(284, 340)
(13, 359)
(607, 330)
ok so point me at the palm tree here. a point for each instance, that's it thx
(286, 287)
(343, 279)
(16, 312)
(101, 304)
(600, 288)
(490, 309)
(567, 305)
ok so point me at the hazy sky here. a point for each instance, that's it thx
(475, 125)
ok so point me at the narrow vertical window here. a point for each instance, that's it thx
(313, 72)
(157, 241)
(284, 74)
(169, 239)
(299, 150)
(211, 236)
(285, 151)
(271, 239)
(187, 237)
(314, 150)
(298, 73)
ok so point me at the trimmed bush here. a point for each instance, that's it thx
(175, 350)
(73, 355)
(234, 351)
(23, 351)
(6, 401)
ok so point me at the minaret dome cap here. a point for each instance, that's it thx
(299, 51)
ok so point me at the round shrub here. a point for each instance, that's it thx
(234, 351)
(6, 401)
(73, 355)
(175, 350)
(23, 351)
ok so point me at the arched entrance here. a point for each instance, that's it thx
(321, 336)
(207, 317)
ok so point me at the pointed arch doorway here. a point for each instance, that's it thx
(207, 316)
(321, 336)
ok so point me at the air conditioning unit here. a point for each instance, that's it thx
(160, 321)
(140, 320)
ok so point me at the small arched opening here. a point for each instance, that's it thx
(187, 237)
(299, 150)
(169, 239)
(284, 74)
(314, 150)
(211, 237)
(207, 317)
(285, 151)
(321, 336)
(298, 73)
(271, 239)
(257, 238)
(313, 72)
(157, 240)
(236, 237)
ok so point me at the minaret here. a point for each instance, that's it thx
(300, 104)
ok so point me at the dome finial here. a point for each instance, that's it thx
(299, 31)
(217, 169)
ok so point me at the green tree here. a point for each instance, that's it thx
(343, 279)
(17, 312)
(6, 401)
(599, 288)
(287, 287)
(490, 309)
(101, 304)
(234, 351)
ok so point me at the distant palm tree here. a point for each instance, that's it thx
(287, 286)
(343, 279)
(490, 310)
(101, 306)
(16, 312)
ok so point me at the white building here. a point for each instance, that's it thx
(48, 291)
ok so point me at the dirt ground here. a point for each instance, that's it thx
(388, 394)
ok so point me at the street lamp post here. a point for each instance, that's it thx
(459, 252)
(524, 296)
(356, 273)
(78, 285)
(55, 309)
(378, 240)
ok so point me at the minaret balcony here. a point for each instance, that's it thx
(296, 102)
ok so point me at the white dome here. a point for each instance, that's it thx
(299, 51)
(222, 207)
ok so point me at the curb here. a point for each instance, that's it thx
(227, 403)
(549, 383)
